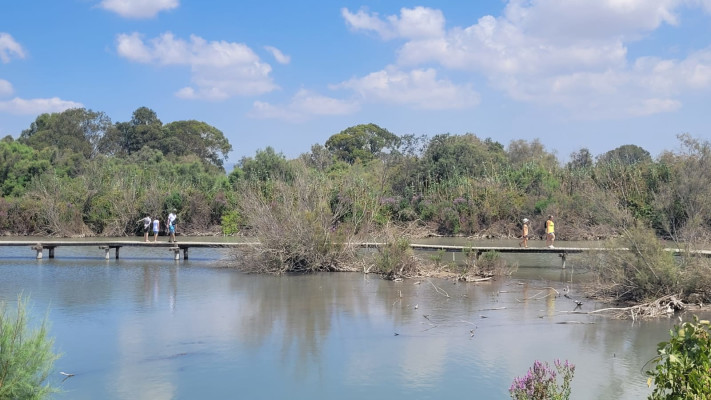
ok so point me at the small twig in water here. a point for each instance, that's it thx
(439, 290)
(431, 327)
(535, 297)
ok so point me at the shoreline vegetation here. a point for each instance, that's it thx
(78, 174)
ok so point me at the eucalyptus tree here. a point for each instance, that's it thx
(363, 142)
(628, 154)
(126, 138)
(77, 129)
(197, 138)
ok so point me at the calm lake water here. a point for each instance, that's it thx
(149, 327)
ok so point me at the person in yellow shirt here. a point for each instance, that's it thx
(524, 234)
(550, 231)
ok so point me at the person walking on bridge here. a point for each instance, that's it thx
(550, 232)
(524, 235)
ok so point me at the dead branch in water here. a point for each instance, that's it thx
(439, 290)
(535, 296)
(663, 307)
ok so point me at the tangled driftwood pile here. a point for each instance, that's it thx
(664, 306)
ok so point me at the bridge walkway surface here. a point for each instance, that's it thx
(50, 245)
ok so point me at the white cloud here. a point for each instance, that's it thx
(37, 106)
(653, 106)
(9, 47)
(575, 20)
(264, 110)
(278, 55)
(418, 22)
(368, 22)
(139, 8)
(219, 69)
(5, 88)
(419, 88)
(571, 53)
(303, 106)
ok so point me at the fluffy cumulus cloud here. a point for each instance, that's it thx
(572, 54)
(9, 48)
(419, 88)
(219, 69)
(139, 8)
(36, 106)
(418, 22)
(303, 106)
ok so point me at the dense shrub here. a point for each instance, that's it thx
(644, 272)
(683, 364)
(395, 259)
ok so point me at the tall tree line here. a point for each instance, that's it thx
(79, 173)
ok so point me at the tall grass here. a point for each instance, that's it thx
(26, 355)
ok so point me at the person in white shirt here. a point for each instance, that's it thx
(171, 225)
(156, 228)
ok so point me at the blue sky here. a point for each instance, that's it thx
(572, 73)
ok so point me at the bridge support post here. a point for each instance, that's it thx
(51, 252)
(562, 257)
(106, 250)
(176, 252)
(38, 248)
(117, 251)
(185, 253)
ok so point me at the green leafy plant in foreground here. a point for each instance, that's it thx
(683, 364)
(541, 382)
(26, 356)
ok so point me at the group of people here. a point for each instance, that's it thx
(550, 232)
(153, 225)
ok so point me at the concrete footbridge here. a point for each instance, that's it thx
(106, 246)
(39, 246)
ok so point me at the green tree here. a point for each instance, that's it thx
(361, 142)
(126, 138)
(448, 156)
(681, 189)
(521, 152)
(267, 165)
(319, 158)
(628, 154)
(581, 159)
(26, 356)
(18, 165)
(624, 172)
(198, 138)
(77, 129)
